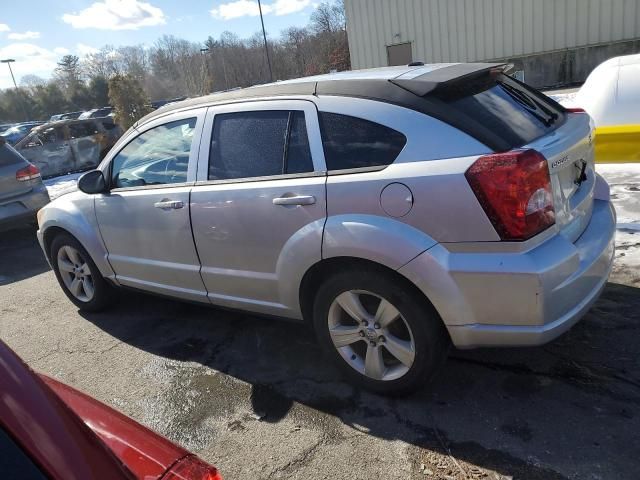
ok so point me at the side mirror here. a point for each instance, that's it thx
(92, 182)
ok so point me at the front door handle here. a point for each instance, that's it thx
(169, 204)
(296, 200)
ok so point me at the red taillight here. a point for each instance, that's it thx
(28, 173)
(514, 189)
(576, 110)
(192, 468)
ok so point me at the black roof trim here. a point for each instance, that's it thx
(388, 92)
(394, 91)
(431, 81)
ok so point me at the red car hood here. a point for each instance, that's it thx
(147, 455)
(40, 423)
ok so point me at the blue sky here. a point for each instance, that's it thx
(37, 36)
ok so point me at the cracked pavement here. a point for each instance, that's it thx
(255, 397)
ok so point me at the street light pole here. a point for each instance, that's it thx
(266, 48)
(9, 61)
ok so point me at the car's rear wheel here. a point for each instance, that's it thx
(78, 276)
(382, 335)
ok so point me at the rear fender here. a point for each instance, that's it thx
(371, 237)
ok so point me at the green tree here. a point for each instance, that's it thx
(127, 97)
(50, 99)
(99, 89)
(17, 105)
(68, 71)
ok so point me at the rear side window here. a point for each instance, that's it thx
(259, 144)
(14, 462)
(84, 129)
(511, 110)
(351, 142)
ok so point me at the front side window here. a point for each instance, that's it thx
(51, 135)
(351, 142)
(258, 144)
(156, 157)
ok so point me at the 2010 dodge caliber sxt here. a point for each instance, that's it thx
(397, 210)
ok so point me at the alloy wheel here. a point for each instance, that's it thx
(75, 273)
(371, 335)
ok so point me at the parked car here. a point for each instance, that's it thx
(6, 126)
(396, 210)
(611, 96)
(97, 113)
(69, 145)
(65, 116)
(16, 133)
(22, 192)
(49, 430)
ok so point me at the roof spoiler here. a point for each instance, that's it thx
(441, 77)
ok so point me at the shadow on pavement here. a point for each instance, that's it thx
(572, 402)
(20, 255)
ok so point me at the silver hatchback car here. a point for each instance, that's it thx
(397, 210)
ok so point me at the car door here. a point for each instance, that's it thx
(84, 139)
(258, 207)
(144, 219)
(49, 150)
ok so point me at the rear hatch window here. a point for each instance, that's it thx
(8, 156)
(510, 109)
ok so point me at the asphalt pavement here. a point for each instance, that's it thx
(255, 397)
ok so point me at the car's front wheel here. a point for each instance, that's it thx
(383, 336)
(78, 276)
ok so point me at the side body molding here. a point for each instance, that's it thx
(74, 212)
(380, 239)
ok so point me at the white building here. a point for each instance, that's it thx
(554, 42)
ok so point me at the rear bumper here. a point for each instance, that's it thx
(23, 208)
(523, 298)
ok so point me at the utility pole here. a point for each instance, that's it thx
(266, 48)
(9, 61)
(205, 70)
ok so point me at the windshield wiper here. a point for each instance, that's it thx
(530, 103)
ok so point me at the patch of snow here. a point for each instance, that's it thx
(624, 180)
(564, 99)
(58, 186)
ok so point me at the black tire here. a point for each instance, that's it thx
(103, 293)
(430, 338)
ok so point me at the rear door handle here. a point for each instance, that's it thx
(297, 200)
(169, 204)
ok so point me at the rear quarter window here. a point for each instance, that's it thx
(351, 142)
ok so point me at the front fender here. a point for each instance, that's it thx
(380, 239)
(75, 213)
